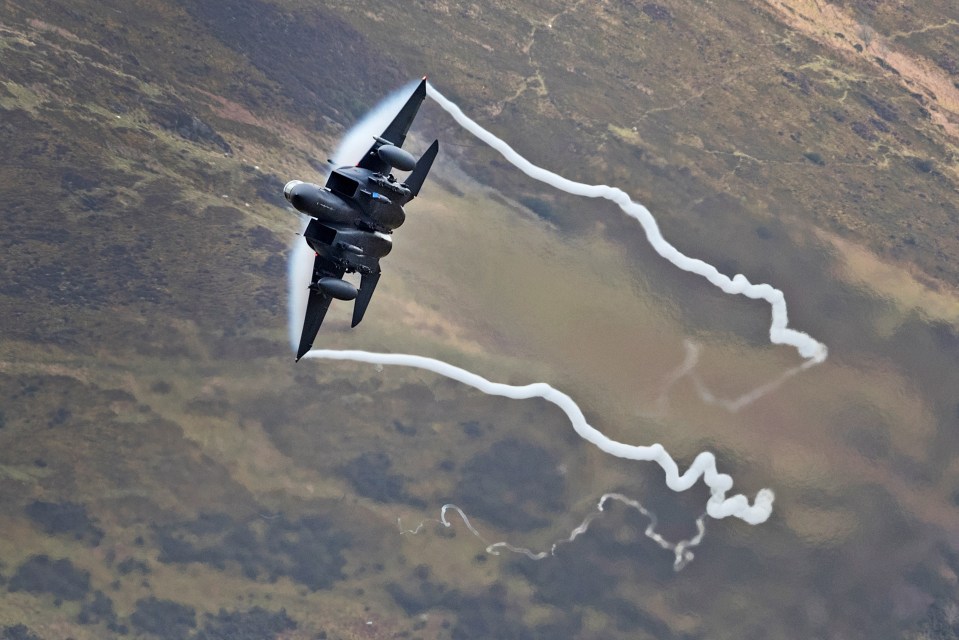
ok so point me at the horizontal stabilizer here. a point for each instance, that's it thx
(416, 179)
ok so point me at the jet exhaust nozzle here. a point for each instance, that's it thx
(336, 288)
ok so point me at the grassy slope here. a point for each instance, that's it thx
(148, 381)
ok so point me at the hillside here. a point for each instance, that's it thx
(167, 471)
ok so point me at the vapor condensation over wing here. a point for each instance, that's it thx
(359, 138)
(779, 331)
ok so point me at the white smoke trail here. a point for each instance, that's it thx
(733, 405)
(681, 549)
(779, 331)
(703, 466)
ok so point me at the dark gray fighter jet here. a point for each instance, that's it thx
(354, 215)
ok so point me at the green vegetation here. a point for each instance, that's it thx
(254, 624)
(64, 518)
(40, 574)
(488, 482)
(164, 618)
(308, 551)
(18, 632)
(369, 475)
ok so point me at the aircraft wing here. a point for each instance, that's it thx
(318, 303)
(396, 132)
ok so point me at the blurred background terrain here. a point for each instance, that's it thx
(166, 471)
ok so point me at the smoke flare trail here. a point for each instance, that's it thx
(779, 331)
(703, 466)
(733, 405)
(681, 549)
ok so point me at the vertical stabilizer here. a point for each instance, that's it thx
(416, 179)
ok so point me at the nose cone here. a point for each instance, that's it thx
(288, 189)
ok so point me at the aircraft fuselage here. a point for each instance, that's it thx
(353, 215)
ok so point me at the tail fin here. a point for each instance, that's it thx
(416, 179)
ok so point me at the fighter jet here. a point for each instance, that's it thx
(354, 215)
